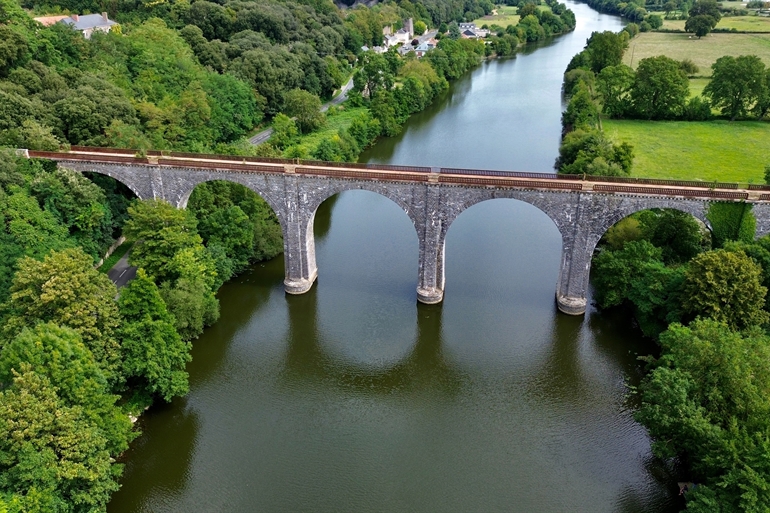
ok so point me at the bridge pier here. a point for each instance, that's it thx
(578, 245)
(298, 249)
(430, 281)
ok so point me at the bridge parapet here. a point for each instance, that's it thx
(581, 207)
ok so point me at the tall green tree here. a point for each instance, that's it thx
(161, 231)
(306, 108)
(737, 84)
(53, 458)
(61, 356)
(660, 89)
(707, 400)
(154, 355)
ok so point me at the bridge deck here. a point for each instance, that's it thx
(447, 176)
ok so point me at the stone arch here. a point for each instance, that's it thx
(263, 192)
(557, 206)
(117, 173)
(390, 191)
(696, 208)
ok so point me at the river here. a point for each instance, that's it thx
(355, 398)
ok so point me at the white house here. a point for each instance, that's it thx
(89, 23)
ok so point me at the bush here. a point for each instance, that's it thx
(697, 109)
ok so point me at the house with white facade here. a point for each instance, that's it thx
(89, 23)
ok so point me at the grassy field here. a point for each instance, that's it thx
(506, 15)
(334, 122)
(704, 52)
(739, 23)
(697, 85)
(709, 151)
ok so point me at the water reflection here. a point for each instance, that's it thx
(424, 367)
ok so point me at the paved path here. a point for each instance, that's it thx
(340, 97)
(264, 135)
(122, 272)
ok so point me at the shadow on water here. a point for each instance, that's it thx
(167, 456)
(239, 299)
(424, 367)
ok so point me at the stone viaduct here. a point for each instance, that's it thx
(433, 198)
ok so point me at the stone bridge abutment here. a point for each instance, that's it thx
(581, 216)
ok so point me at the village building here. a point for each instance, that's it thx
(86, 23)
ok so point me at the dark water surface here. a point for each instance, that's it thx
(354, 398)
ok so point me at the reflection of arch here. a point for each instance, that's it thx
(424, 365)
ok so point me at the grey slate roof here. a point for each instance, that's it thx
(87, 21)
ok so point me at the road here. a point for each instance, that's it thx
(264, 135)
(340, 97)
(122, 272)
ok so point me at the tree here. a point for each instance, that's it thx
(306, 108)
(706, 401)
(737, 84)
(162, 231)
(420, 27)
(66, 289)
(727, 287)
(606, 49)
(285, 131)
(614, 84)
(581, 112)
(60, 355)
(700, 25)
(615, 271)
(660, 89)
(154, 355)
(192, 304)
(52, 457)
(708, 8)
(375, 73)
(591, 152)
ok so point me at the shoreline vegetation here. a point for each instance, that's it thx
(698, 289)
(182, 76)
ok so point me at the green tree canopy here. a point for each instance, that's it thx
(737, 84)
(154, 356)
(725, 286)
(161, 230)
(53, 459)
(699, 25)
(60, 355)
(660, 88)
(65, 289)
(708, 400)
(306, 108)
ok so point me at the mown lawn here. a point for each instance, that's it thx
(339, 119)
(709, 151)
(506, 15)
(739, 23)
(704, 52)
